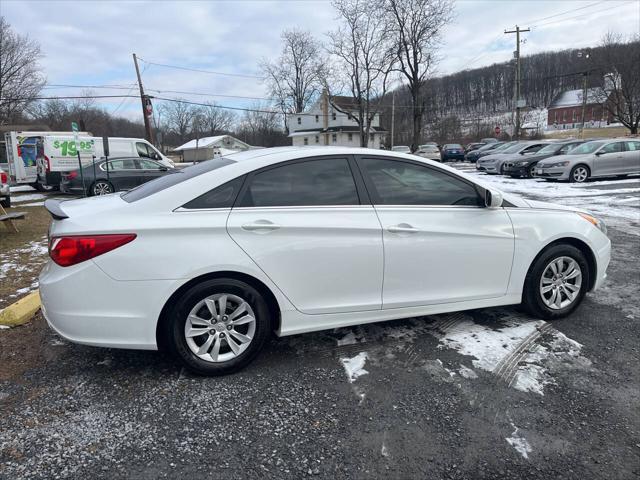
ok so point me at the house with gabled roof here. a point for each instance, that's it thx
(331, 121)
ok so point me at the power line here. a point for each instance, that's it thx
(565, 12)
(580, 16)
(210, 72)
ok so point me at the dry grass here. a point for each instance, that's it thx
(590, 133)
(22, 254)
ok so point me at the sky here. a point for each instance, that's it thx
(92, 42)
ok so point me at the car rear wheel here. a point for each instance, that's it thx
(531, 171)
(579, 174)
(6, 202)
(101, 187)
(557, 282)
(218, 326)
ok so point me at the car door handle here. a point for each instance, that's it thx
(402, 228)
(260, 225)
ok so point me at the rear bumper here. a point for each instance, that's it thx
(84, 305)
(452, 156)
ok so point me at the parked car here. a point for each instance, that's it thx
(452, 151)
(206, 262)
(526, 166)
(104, 177)
(489, 148)
(5, 189)
(494, 163)
(473, 146)
(432, 152)
(616, 157)
(401, 149)
(489, 140)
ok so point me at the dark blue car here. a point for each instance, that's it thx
(452, 151)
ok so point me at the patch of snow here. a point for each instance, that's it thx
(348, 339)
(519, 443)
(21, 188)
(354, 367)
(28, 197)
(4, 327)
(466, 372)
(516, 351)
(34, 204)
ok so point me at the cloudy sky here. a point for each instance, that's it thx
(91, 42)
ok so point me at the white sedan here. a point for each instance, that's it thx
(209, 261)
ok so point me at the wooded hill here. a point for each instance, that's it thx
(475, 95)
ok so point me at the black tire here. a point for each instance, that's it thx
(101, 186)
(43, 188)
(174, 326)
(532, 297)
(531, 171)
(575, 178)
(502, 169)
(6, 202)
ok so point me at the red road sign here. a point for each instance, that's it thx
(497, 130)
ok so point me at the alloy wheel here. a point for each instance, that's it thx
(560, 283)
(220, 327)
(101, 188)
(580, 174)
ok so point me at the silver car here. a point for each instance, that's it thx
(432, 152)
(494, 163)
(615, 157)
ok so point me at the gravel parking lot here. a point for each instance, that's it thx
(472, 395)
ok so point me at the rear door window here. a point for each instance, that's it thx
(326, 181)
(612, 147)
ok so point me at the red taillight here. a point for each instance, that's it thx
(67, 251)
(71, 175)
(3, 177)
(48, 163)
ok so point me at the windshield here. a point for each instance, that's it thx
(429, 148)
(166, 181)
(553, 148)
(513, 148)
(453, 145)
(588, 147)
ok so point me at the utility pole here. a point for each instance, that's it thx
(145, 116)
(586, 54)
(393, 116)
(517, 102)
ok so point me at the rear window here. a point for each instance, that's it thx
(154, 186)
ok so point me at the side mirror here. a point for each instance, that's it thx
(599, 153)
(163, 169)
(492, 199)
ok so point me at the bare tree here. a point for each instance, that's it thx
(178, 117)
(216, 120)
(621, 93)
(363, 58)
(294, 79)
(21, 78)
(416, 26)
(261, 127)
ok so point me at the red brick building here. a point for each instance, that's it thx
(565, 110)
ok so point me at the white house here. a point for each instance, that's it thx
(205, 148)
(330, 121)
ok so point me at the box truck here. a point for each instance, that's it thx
(40, 158)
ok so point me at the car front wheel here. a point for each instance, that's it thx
(579, 174)
(557, 282)
(218, 326)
